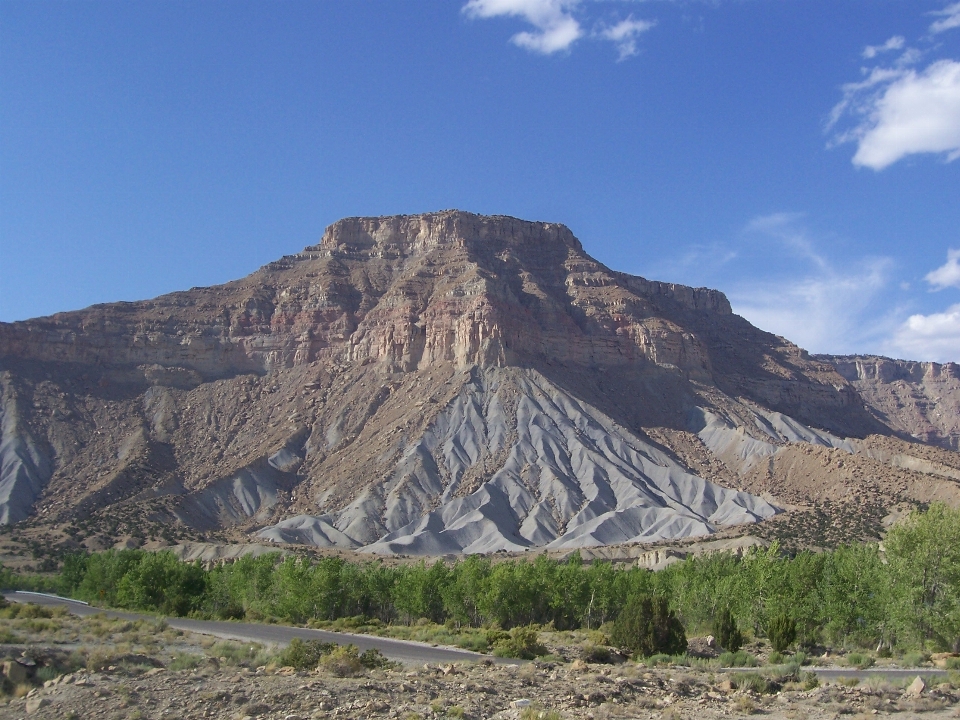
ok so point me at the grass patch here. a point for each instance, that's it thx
(236, 653)
(741, 658)
(535, 713)
(185, 661)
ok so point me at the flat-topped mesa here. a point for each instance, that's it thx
(412, 234)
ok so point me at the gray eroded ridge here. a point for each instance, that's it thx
(515, 462)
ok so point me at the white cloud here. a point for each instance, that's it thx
(826, 311)
(556, 28)
(935, 336)
(951, 18)
(903, 112)
(894, 43)
(948, 274)
(624, 35)
(815, 303)
(929, 337)
(785, 227)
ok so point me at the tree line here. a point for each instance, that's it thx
(903, 593)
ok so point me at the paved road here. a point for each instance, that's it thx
(401, 650)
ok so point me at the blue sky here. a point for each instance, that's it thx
(799, 156)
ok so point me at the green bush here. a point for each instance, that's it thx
(342, 661)
(372, 659)
(647, 626)
(520, 642)
(781, 631)
(304, 655)
(596, 654)
(753, 682)
(859, 660)
(726, 632)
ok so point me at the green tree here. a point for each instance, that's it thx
(647, 626)
(161, 582)
(726, 632)
(923, 553)
(418, 592)
(781, 631)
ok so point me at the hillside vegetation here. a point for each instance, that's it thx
(903, 594)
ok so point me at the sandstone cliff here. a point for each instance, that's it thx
(919, 399)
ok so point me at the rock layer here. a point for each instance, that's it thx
(919, 399)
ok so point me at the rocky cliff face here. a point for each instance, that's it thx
(919, 399)
(434, 383)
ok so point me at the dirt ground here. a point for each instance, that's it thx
(97, 667)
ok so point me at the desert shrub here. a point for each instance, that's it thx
(952, 663)
(914, 659)
(859, 660)
(305, 655)
(495, 635)
(235, 653)
(746, 705)
(596, 654)
(726, 632)
(185, 661)
(647, 626)
(26, 611)
(787, 672)
(474, 642)
(775, 658)
(101, 659)
(521, 642)
(754, 682)
(659, 659)
(342, 661)
(46, 672)
(737, 659)
(781, 631)
(373, 659)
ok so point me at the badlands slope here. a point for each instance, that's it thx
(436, 384)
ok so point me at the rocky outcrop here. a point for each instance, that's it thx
(445, 382)
(919, 399)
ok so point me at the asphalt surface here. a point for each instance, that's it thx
(405, 651)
